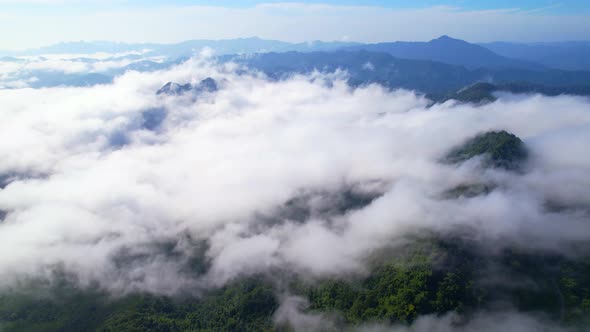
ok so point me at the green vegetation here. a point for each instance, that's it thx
(498, 148)
(246, 305)
(401, 287)
(394, 294)
(428, 276)
(574, 283)
(480, 92)
(502, 149)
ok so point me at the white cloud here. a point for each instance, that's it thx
(90, 183)
(20, 71)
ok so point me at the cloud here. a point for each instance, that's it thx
(90, 190)
(290, 314)
(22, 71)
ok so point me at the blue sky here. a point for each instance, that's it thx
(551, 6)
(548, 6)
(34, 23)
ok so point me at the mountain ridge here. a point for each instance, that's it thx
(426, 76)
(450, 51)
(573, 55)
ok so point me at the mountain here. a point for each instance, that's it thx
(82, 47)
(483, 92)
(502, 150)
(450, 51)
(562, 55)
(429, 77)
(496, 55)
(175, 89)
(47, 79)
(183, 49)
(439, 80)
(364, 67)
(480, 92)
(240, 46)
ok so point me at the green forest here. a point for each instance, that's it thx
(427, 277)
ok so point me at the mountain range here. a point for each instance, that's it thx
(440, 68)
(183, 49)
(426, 76)
(564, 55)
(496, 55)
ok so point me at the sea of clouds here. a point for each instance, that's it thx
(97, 180)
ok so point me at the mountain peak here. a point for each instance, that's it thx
(172, 88)
(503, 149)
(445, 38)
(175, 89)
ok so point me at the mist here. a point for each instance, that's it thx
(88, 186)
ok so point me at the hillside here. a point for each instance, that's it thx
(483, 92)
(425, 76)
(562, 55)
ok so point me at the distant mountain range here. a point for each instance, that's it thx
(184, 49)
(565, 55)
(439, 68)
(496, 55)
(430, 77)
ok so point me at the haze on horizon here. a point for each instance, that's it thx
(329, 20)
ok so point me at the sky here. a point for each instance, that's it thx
(35, 23)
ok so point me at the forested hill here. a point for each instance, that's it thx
(483, 92)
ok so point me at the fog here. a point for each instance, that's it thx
(88, 184)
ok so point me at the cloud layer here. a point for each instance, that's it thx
(92, 190)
